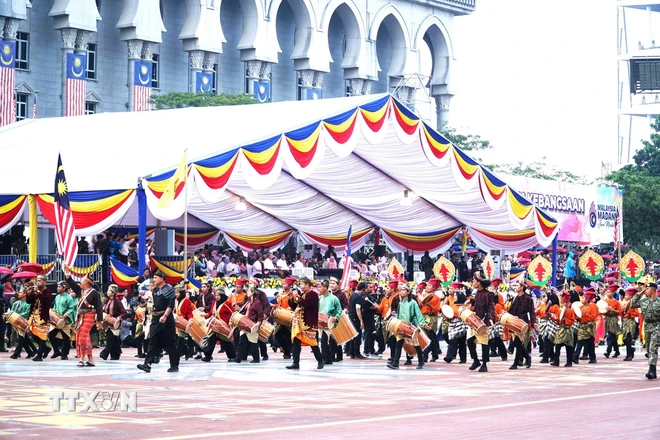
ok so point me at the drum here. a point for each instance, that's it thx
(401, 328)
(180, 323)
(447, 311)
(577, 308)
(423, 340)
(220, 327)
(197, 333)
(513, 323)
(282, 316)
(139, 314)
(265, 330)
(242, 322)
(602, 307)
(17, 321)
(345, 331)
(55, 318)
(323, 321)
(110, 322)
(468, 317)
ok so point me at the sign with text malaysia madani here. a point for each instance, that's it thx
(586, 213)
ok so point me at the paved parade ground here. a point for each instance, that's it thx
(351, 399)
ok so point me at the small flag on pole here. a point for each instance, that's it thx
(65, 230)
(617, 227)
(34, 107)
(347, 260)
(178, 178)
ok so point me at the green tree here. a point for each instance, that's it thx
(640, 183)
(539, 170)
(186, 99)
(466, 142)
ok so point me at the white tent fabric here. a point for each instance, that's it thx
(313, 166)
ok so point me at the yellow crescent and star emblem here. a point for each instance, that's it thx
(144, 75)
(61, 188)
(206, 84)
(6, 55)
(77, 67)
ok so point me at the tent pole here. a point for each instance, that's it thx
(554, 261)
(142, 226)
(32, 204)
(185, 218)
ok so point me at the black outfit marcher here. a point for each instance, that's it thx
(522, 307)
(162, 335)
(354, 344)
(484, 308)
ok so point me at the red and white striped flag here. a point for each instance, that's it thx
(65, 229)
(76, 84)
(7, 64)
(142, 86)
(346, 267)
(34, 107)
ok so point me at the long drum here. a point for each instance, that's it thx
(401, 328)
(243, 322)
(17, 321)
(218, 326)
(447, 311)
(345, 331)
(468, 317)
(282, 316)
(197, 333)
(55, 318)
(265, 330)
(180, 323)
(323, 321)
(110, 322)
(577, 308)
(514, 323)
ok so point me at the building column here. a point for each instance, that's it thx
(312, 85)
(442, 109)
(68, 36)
(134, 54)
(258, 76)
(196, 66)
(359, 86)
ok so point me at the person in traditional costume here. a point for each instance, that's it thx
(113, 307)
(65, 306)
(89, 311)
(162, 331)
(587, 328)
(39, 297)
(612, 328)
(564, 336)
(329, 306)
(630, 315)
(408, 312)
(483, 306)
(305, 323)
(22, 308)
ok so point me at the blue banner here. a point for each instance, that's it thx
(314, 94)
(143, 73)
(76, 66)
(8, 54)
(204, 83)
(262, 91)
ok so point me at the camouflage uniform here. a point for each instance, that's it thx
(650, 309)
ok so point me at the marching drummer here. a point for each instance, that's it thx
(328, 305)
(522, 307)
(249, 340)
(564, 336)
(587, 329)
(409, 313)
(65, 306)
(484, 308)
(22, 308)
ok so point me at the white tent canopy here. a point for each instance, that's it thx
(358, 179)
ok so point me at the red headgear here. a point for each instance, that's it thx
(435, 282)
(241, 281)
(290, 280)
(393, 284)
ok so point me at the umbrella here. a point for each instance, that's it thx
(607, 256)
(524, 254)
(471, 251)
(610, 279)
(24, 275)
(561, 249)
(31, 267)
(613, 265)
(6, 270)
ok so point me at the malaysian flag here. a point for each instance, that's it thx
(76, 83)
(34, 108)
(65, 230)
(347, 261)
(142, 86)
(7, 69)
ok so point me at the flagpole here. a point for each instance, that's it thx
(618, 234)
(185, 217)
